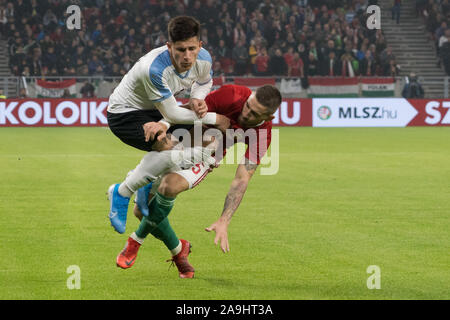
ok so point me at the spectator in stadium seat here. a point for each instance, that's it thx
(57, 36)
(313, 49)
(34, 63)
(367, 65)
(66, 94)
(296, 67)
(289, 56)
(440, 39)
(3, 20)
(9, 11)
(386, 57)
(348, 63)
(94, 63)
(272, 33)
(445, 52)
(251, 31)
(217, 36)
(212, 11)
(126, 62)
(331, 66)
(361, 52)
(252, 54)
(217, 69)
(49, 20)
(97, 33)
(419, 7)
(262, 62)
(70, 72)
(392, 69)
(380, 42)
(222, 51)
(302, 52)
(299, 16)
(98, 71)
(23, 93)
(413, 89)
(88, 90)
(240, 56)
(18, 56)
(83, 71)
(312, 66)
(330, 46)
(15, 71)
(2, 95)
(433, 17)
(396, 8)
(277, 64)
(26, 71)
(445, 8)
(49, 58)
(114, 71)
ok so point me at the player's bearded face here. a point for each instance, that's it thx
(253, 113)
(184, 53)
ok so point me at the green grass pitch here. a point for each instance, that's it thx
(343, 199)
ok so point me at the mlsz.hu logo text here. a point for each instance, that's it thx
(367, 113)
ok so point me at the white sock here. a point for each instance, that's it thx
(124, 191)
(136, 238)
(176, 250)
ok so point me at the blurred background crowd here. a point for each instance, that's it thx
(293, 38)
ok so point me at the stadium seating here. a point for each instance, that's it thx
(115, 33)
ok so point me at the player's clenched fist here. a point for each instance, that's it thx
(153, 129)
(198, 106)
(220, 227)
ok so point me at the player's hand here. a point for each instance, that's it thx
(199, 107)
(153, 129)
(220, 227)
(222, 122)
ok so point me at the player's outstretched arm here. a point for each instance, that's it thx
(234, 197)
(172, 113)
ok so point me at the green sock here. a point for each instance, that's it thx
(157, 222)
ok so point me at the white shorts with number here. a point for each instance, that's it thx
(194, 175)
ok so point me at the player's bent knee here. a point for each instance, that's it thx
(172, 184)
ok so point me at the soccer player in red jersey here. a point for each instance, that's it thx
(250, 115)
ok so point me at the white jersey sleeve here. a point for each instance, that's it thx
(202, 86)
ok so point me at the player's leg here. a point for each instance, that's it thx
(129, 128)
(157, 224)
(170, 186)
(160, 206)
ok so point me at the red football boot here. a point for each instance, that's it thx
(185, 269)
(127, 256)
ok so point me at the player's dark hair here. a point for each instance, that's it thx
(182, 28)
(269, 96)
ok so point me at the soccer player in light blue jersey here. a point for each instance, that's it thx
(143, 108)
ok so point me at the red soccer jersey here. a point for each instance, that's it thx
(229, 101)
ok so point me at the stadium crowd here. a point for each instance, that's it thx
(436, 14)
(294, 38)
